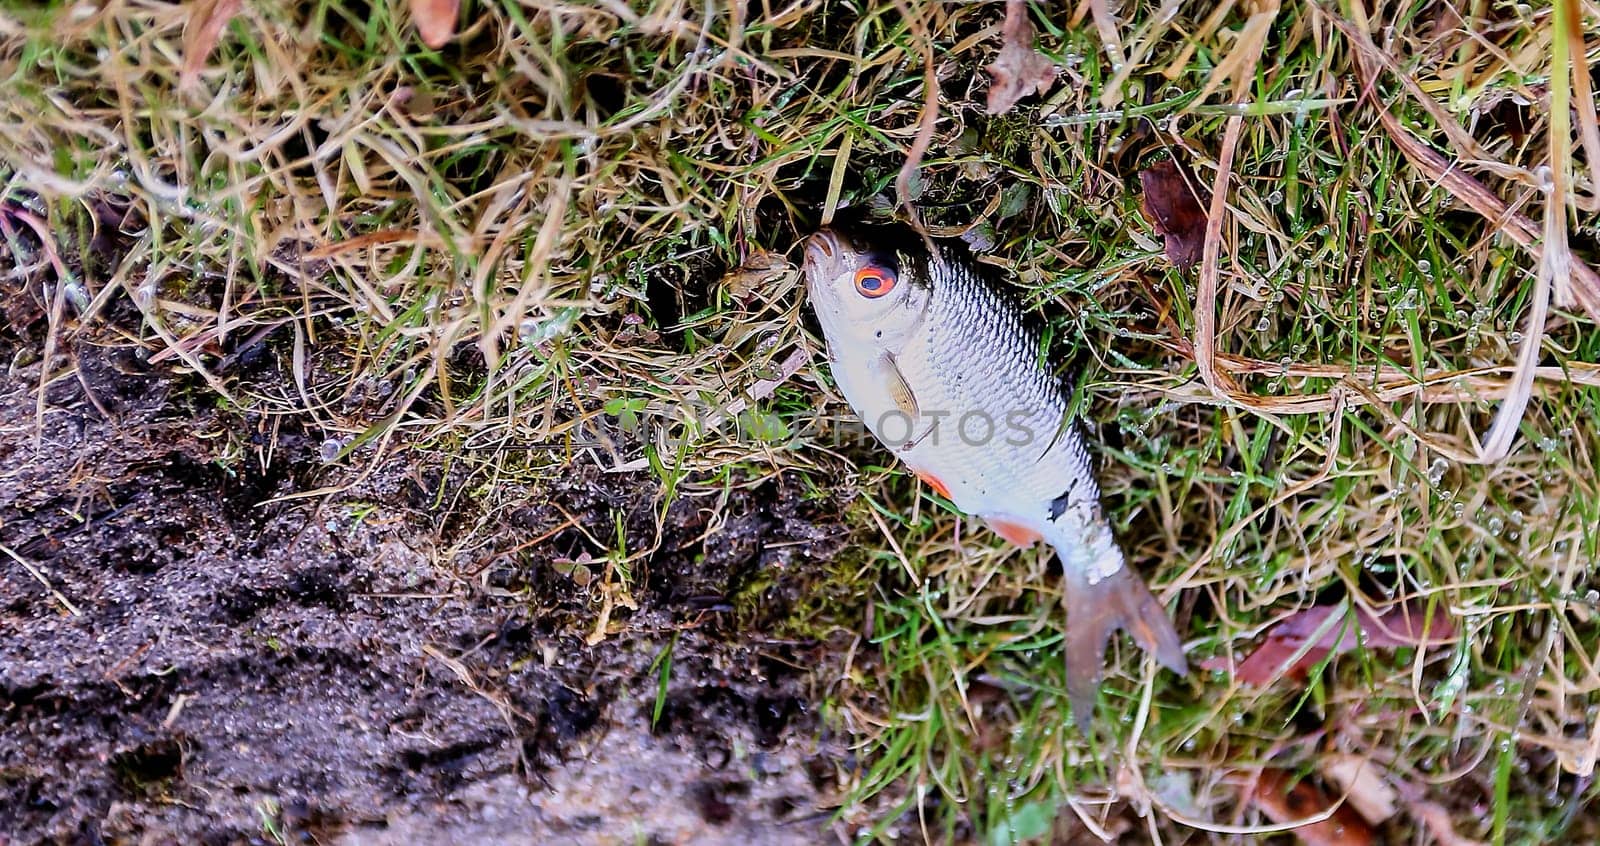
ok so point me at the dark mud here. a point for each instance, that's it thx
(186, 657)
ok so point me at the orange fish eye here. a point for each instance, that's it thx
(873, 282)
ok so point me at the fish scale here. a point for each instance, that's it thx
(930, 339)
(974, 333)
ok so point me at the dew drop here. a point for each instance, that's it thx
(331, 449)
(1436, 471)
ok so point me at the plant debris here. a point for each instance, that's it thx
(1284, 801)
(1364, 784)
(1404, 625)
(1175, 204)
(436, 20)
(200, 35)
(1019, 70)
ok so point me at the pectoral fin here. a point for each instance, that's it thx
(895, 384)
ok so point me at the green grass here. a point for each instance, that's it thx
(569, 192)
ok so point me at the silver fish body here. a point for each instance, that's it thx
(943, 368)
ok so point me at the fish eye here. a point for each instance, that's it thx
(874, 281)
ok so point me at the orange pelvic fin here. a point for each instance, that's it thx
(1014, 532)
(933, 482)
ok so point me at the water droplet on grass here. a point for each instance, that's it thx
(1436, 471)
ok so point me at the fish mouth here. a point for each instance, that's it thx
(822, 248)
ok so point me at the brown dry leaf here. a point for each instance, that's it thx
(1366, 789)
(436, 20)
(1285, 801)
(1175, 204)
(1019, 70)
(1404, 625)
(207, 19)
(760, 269)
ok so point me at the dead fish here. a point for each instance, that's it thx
(944, 369)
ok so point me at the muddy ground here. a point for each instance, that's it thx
(349, 668)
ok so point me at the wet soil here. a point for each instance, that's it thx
(186, 656)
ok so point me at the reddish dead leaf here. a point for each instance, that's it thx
(1285, 801)
(207, 19)
(436, 20)
(1175, 205)
(1404, 625)
(1019, 70)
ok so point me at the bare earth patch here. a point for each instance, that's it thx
(241, 668)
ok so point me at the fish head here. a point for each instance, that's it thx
(869, 292)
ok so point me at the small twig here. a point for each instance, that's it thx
(1555, 265)
(927, 119)
(34, 571)
(1583, 99)
(1205, 308)
(1106, 25)
(57, 306)
(899, 554)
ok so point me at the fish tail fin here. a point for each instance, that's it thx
(1094, 611)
